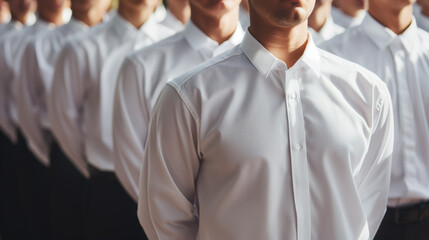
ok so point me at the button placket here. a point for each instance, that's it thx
(406, 114)
(299, 165)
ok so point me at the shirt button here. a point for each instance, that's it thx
(292, 96)
(280, 65)
(297, 147)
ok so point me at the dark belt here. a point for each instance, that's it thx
(409, 214)
(97, 173)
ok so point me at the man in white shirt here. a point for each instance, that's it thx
(275, 139)
(320, 24)
(349, 13)
(421, 13)
(34, 176)
(106, 89)
(13, 212)
(144, 74)
(73, 108)
(34, 85)
(389, 43)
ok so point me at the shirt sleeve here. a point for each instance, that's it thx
(130, 122)
(66, 104)
(167, 194)
(31, 93)
(373, 187)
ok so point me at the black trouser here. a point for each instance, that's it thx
(111, 213)
(13, 217)
(405, 223)
(36, 190)
(67, 197)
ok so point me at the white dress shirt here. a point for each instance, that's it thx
(345, 20)
(172, 22)
(402, 62)
(74, 99)
(6, 125)
(242, 147)
(141, 79)
(422, 20)
(11, 52)
(34, 83)
(328, 31)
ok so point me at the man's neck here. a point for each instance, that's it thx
(319, 16)
(220, 29)
(396, 20)
(352, 12)
(22, 18)
(180, 9)
(136, 17)
(286, 43)
(90, 17)
(54, 18)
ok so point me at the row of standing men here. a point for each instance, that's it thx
(66, 169)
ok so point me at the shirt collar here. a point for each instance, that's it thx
(197, 39)
(327, 28)
(15, 24)
(264, 61)
(40, 23)
(150, 28)
(121, 26)
(77, 24)
(172, 22)
(382, 36)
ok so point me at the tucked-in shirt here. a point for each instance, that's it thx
(141, 79)
(402, 62)
(345, 20)
(422, 20)
(243, 147)
(5, 124)
(328, 31)
(74, 99)
(11, 52)
(34, 83)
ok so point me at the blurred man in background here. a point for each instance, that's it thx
(389, 43)
(73, 108)
(67, 203)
